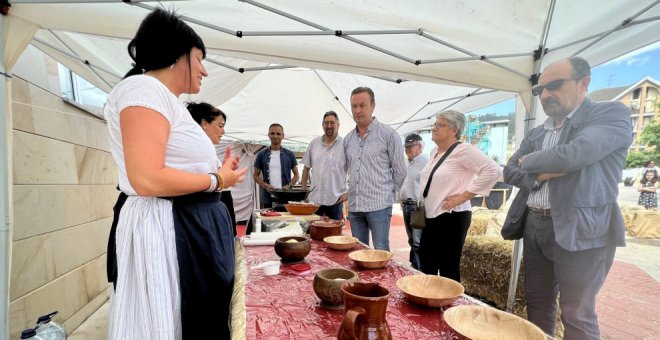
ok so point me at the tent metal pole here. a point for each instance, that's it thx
(266, 68)
(482, 58)
(448, 60)
(331, 32)
(86, 62)
(78, 1)
(219, 63)
(593, 36)
(622, 25)
(322, 28)
(412, 115)
(348, 112)
(6, 191)
(516, 252)
(189, 19)
(77, 56)
(457, 97)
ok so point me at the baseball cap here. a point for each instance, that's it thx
(412, 139)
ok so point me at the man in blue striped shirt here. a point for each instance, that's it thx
(377, 168)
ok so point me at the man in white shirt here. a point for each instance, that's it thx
(276, 163)
(325, 155)
(410, 191)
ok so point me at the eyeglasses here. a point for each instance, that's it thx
(552, 86)
(440, 125)
(410, 145)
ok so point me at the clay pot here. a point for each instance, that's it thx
(292, 251)
(366, 304)
(321, 229)
(327, 286)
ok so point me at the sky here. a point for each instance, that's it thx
(625, 70)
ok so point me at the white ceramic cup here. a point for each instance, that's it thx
(271, 267)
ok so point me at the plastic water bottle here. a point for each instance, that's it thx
(48, 329)
(30, 333)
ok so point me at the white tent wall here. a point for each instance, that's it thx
(63, 189)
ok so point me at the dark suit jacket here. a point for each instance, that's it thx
(591, 151)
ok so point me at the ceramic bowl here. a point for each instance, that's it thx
(327, 286)
(371, 258)
(318, 230)
(482, 322)
(292, 248)
(301, 209)
(341, 242)
(430, 290)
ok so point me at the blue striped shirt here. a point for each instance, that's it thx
(541, 198)
(376, 166)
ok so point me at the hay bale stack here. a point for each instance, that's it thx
(640, 222)
(479, 225)
(485, 271)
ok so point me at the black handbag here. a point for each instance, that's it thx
(418, 217)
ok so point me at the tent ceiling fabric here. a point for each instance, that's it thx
(506, 31)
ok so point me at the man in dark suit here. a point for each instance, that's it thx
(568, 171)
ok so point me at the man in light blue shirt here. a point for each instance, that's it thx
(376, 171)
(325, 158)
(410, 191)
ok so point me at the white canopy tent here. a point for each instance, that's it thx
(477, 46)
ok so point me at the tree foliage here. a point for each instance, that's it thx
(651, 137)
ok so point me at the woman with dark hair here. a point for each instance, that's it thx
(172, 235)
(212, 120)
(647, 190)
(464, 172)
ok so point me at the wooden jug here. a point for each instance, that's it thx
(366, 304)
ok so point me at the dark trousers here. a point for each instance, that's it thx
(441, 244)
(414, 235)
(576, 275)
(228, 200)
(334, 212)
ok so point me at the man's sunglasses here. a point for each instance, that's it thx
(552, 86)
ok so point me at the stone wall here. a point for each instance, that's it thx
(63, 193)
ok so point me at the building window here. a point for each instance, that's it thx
(636, 93)
(79, 90)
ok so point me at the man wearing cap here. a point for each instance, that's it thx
(568, 169)
(410, 190)
(374, 154)
(325, 158)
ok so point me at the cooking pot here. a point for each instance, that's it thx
(284, 196)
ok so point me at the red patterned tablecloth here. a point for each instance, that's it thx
(284, 306)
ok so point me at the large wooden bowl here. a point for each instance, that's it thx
(481, 322)
(341, 242)
(371, 258)
(291, 251)
(430, 290)
(301, 209)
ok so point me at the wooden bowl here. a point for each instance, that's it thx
(430, 290)
(371, 258)
(301, 209)
(292, 251)
(327, 286)
(321, 229)
(481, 322)
(340, 242)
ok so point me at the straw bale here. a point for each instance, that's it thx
(485, 271)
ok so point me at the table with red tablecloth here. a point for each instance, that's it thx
(284, 306)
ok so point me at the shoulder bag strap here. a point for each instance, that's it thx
(442, 159)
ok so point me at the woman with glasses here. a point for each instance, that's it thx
(213, 120)
(464, 173)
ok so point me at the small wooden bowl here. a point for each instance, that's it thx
(321, 229)
(327, 286)
(481, 322)
(301, 209)
(292, 251)
(341, 242)
(371, 258)
(430, 290)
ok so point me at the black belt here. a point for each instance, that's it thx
(540, 212)
(409, 201)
